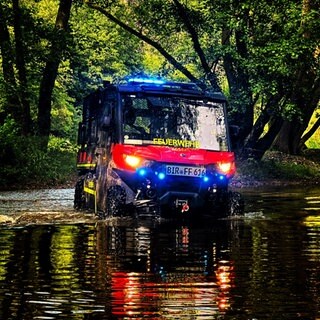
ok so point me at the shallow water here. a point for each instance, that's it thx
(265, 265)
(36, 201)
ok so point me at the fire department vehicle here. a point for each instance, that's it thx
(154, 147)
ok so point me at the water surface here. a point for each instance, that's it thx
(265, 265)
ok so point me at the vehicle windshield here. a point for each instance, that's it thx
(174, 122)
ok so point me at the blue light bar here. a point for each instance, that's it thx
(147, 80)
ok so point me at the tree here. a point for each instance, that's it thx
(58, 45)
(259, 48)
(100, 51)
(276, 57)
(305, 93)
(16, 104)
(263, 55)
(20, 64)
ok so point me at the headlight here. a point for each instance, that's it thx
(133, 161)
(227, 168)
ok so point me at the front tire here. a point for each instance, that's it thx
(217, 204)
(235, 204)
(116, 200)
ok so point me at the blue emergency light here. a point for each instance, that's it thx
(205, 179)
(161, 176)
(147, 80)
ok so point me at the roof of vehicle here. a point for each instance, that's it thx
(135, 85)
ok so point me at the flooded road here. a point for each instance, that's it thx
(59, 264)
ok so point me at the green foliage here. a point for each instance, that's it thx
(270, 45)
(23, 163)
(291, 111)
(100, 51)
(314, 142)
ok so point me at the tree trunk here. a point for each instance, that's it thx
(306, 95)
(264, 143)
(309, 134)
(256, 143)
(21, 67)
(241, 103)
(256, 132)
(50, 72)
(211, 76)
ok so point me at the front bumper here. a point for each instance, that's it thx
(173, 191)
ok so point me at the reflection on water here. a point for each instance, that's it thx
(263, 266)
(282, 202)
(171, 272)
(161, 271)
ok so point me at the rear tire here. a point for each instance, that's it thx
(79, 199)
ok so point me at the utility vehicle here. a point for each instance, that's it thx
(154, 147)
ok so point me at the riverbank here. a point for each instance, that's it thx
(279, 169)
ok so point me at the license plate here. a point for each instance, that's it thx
(185, 171)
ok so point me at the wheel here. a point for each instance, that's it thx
(235, 204)
(116, 200)
(79, 200)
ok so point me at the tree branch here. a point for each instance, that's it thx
(149, 41)
(58, 45)
(197, 47)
